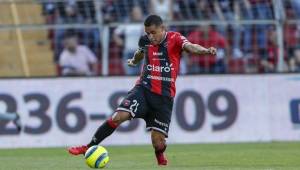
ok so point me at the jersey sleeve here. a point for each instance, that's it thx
(181, 40)
(143, 41)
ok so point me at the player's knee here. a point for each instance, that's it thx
(120, 117)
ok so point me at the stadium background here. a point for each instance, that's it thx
(248, 93)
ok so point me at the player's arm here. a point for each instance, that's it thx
(198, 49)
(137, 57)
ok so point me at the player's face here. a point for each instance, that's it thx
(155, 33)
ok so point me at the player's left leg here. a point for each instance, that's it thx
(159, 145)
(158, 121)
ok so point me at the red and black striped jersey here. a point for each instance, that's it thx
(161, 63)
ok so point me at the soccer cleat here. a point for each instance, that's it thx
(161, 159)
(78, 150)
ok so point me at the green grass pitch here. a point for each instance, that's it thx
(248, 156)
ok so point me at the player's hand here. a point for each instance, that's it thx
(130, 62)
(212, 50)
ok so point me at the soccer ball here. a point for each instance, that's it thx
(96, 157)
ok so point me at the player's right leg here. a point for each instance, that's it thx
(105, 130)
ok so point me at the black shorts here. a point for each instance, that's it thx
(155, 109)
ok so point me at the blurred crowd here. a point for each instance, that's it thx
(243, 47)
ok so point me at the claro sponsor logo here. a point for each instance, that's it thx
(167, 68)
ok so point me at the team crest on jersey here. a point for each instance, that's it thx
(126, 102)
(157, 53)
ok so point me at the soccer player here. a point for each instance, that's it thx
(152, 97)
(12, 117)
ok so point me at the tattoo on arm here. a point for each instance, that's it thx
(138, 56)
(195, 49)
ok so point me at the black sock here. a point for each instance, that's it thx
(106, 129)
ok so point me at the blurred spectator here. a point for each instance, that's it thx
(120, 10)
(193, 9)
(181, 8)
(294, 50)
(77, 60)
(163, 8)
(206, 36)
(269, 62)
(87, 10)
(291, 32)
(72, 14)
(48, 8)
(243, 11)
(90, 36)
(72, 17)
(294, 61)
(261, 10)
(127, 36)
(291, 36)
(296, 6)
(144, 5)
(109, 13)
(254, 10)
(226, 11)
(204, 10)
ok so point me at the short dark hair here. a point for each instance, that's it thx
(153, 20)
